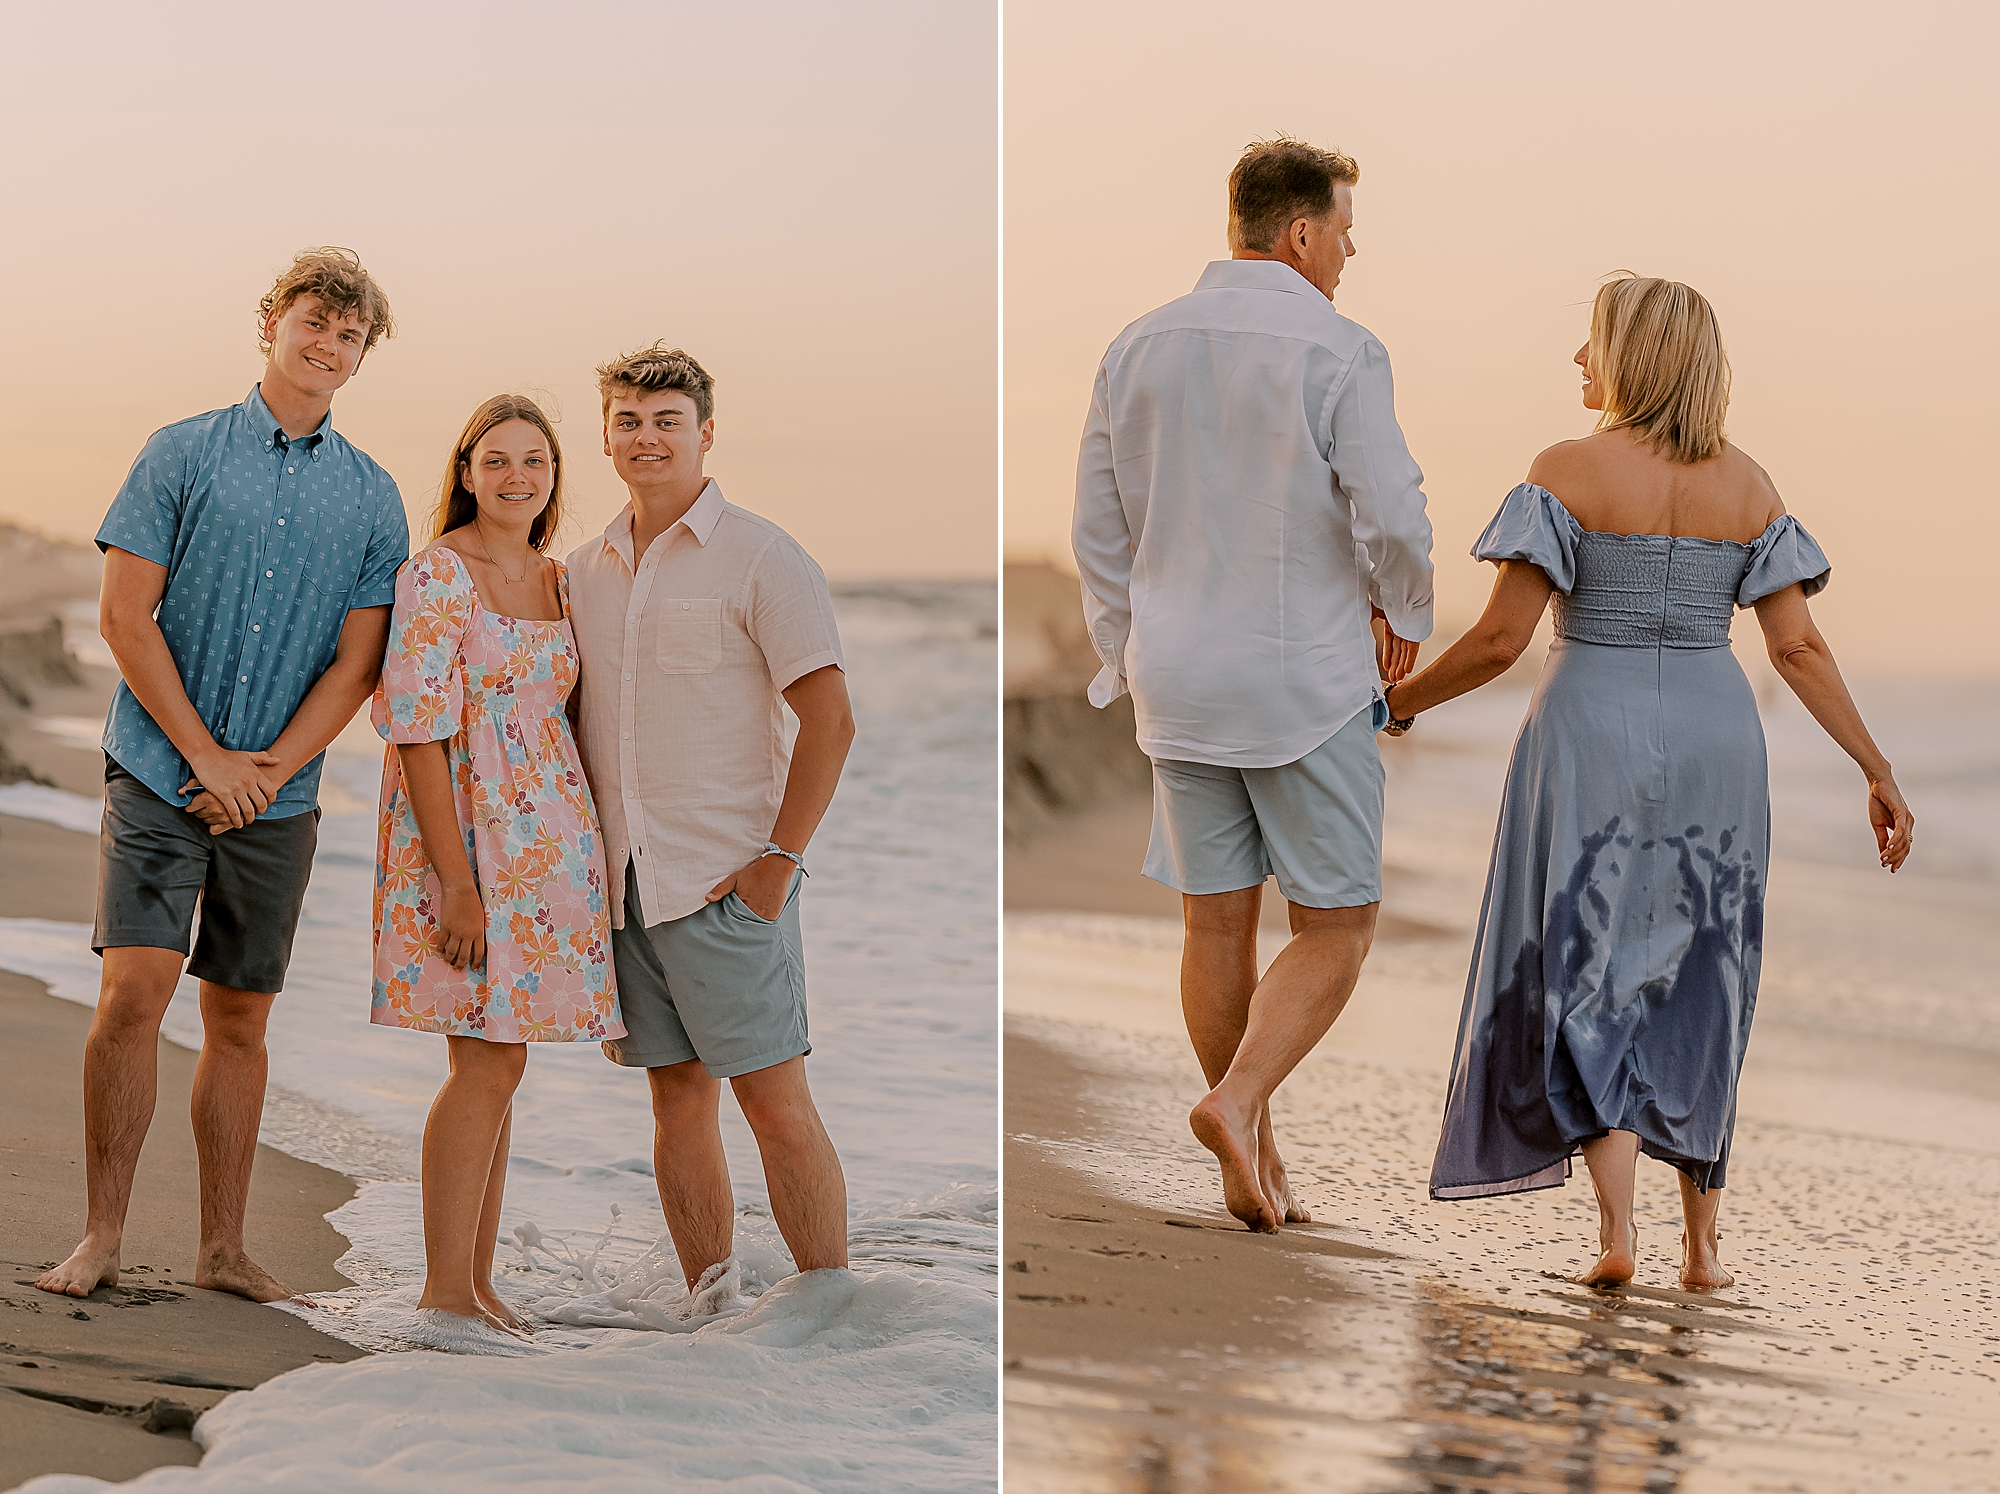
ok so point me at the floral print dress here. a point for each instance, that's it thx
(493, 690)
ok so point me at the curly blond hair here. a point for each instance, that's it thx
(334, 275)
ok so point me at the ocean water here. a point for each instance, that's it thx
(882, 1381)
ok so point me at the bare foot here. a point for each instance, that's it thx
(1278, 1188)
(239, 1275)
(1235, 1147)
(1615, 1267)
(89, 1267)
(1701, 1271)
(500, 1315)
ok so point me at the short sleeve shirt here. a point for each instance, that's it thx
(685, 658)
(268, 542)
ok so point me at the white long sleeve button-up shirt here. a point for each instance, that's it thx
(1243, 493)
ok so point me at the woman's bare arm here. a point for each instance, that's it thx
(1487, 649)
(1804, 662)
(462, 917)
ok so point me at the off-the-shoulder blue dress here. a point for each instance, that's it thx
(1615, 970)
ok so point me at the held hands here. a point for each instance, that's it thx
(235, 788)
(763, 886)
(461, 927)
(1892, 821)
(1394, 657)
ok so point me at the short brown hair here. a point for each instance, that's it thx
(1656, 353)
(656, 369)
(1278, 181)
(456, 506)
(337, 278)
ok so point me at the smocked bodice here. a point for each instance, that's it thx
(1648, 590)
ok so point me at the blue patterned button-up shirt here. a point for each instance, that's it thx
(268, 544)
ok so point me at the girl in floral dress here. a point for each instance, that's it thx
(491, 924)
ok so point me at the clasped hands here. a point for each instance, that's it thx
(235, 787)
(1394, 657)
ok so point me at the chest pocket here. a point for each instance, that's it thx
(332, 541)
(687, 634)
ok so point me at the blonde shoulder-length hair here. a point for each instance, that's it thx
(1656, 353)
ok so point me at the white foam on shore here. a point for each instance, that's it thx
(780, 1384)
(833, 1383)
(54, 806)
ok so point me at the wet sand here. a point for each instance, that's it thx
(110, 1385)
(1859, 1350)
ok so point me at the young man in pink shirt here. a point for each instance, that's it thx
(698, 622)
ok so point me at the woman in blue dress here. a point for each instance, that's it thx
(1616, 964)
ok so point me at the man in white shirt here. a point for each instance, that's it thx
(698, 623)
(1245, 502)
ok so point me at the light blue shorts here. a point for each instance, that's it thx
(721, 985)
(1317, 823)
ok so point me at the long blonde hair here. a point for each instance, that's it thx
(1656, 354)
(456, 506)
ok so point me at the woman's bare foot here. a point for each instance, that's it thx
(500, 1315)
(236, 1273)
(1701, 1270)
(1234, 1142)
(90, 1266)
(1616, 1265)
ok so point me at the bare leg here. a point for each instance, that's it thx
(1218, 977)
(1613, 1160)
(690, 1167)
(801, 1168)
(460, 1141)
(1291, 1009)
(121, 1068)
(1701, 1264)
(227, 1105)
(489, 1234)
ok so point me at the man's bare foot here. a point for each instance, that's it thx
(1701, 1271)
(89, 1267)
(1615, 1267)
(237, 1274)
(1278, 1188)
(500, 1315)
(1235, 1146)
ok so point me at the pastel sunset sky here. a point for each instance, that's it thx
(1821, 172)
(803, 196)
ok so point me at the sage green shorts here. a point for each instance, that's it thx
(721, 985)
(1316, 823)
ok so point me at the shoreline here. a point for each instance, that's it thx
(1448, 1351)
(110, 1385)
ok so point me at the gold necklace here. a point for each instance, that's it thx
(487, 545)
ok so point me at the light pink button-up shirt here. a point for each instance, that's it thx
(682, 720)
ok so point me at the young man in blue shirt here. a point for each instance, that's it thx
(249, 567)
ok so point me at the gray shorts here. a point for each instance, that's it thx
(156, 862)
(1317, 823)
(721, 985)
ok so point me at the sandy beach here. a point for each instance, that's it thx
(1399, 1344)
(110, 1386)
(793, 1384)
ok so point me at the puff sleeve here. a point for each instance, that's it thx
(1782, 554)
(421, 695)
(1532, 525)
